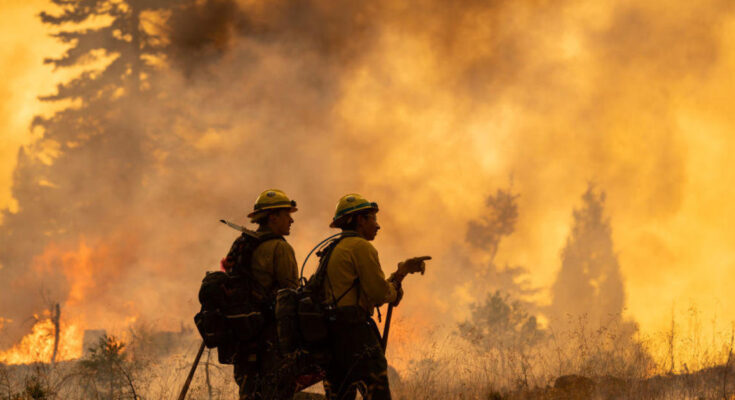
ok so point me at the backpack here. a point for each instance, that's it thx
(303, 314)
(234, 305)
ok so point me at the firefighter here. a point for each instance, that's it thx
(356, 284)
(273, 264)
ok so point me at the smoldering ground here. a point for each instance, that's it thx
(425, 107)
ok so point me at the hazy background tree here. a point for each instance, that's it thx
(502, 320)
(502, 215)
(91, 158)
(588, 299)
(501, 323)
(484, 236)
(589, 283)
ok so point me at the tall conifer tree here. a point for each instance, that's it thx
(589, 283)
(91, 156)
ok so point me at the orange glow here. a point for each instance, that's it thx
(25, 78)
(430, 117)
(38, 346)
(79, 311)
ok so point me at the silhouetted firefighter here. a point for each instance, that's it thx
(237, 313)
(355, 285)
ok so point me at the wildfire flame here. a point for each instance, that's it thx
(38, 346)
(76, 270)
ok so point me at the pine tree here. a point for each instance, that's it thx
(588, 298)
(93, 155)
(589, 283)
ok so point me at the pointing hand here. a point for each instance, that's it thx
(413, 265)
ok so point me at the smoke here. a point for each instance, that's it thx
(425, 107)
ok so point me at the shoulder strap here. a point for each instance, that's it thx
(355, 283)
(243, 249)
(317, 280)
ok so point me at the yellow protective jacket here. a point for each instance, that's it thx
(274, 265)
(354, 258)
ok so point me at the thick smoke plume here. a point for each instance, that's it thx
(426, 107)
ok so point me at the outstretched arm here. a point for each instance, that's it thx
(410, 266)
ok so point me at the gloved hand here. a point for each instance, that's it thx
(412, 265)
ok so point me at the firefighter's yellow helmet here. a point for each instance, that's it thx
(271, 199)
(350, 204)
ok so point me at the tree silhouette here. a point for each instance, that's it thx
(500, 221)
(500, 323)
(485, 235)
(92, 157)
(124, 37)
(502, 320)
(589, 283)
(106, 372)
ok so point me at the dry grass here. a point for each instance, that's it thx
(577, 363)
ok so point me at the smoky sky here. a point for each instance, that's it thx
(425, 107)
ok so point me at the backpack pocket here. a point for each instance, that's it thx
(226, 352)
(246, 324)
(312, 321)
(212, 326)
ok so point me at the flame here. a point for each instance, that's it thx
(38, 346)
(77, 267)
(82, 285)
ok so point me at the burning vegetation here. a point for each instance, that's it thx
(178, 112)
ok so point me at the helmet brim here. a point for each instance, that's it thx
(263, 210)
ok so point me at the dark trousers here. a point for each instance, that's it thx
(357, 363)
(260, 371)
